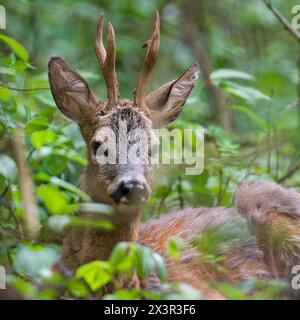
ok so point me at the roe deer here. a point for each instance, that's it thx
(261, 209)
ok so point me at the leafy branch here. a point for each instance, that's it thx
(22, 89)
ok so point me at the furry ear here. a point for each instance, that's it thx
(166, 102)
(70, 91)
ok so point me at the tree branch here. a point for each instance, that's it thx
(21, 89)
(296, 36)
(26, 187)
(282, 20)
(289, 174)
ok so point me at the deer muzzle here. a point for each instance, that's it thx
(132, 193)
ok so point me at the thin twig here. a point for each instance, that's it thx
(26, 187)
(289, 174)
(226, 184)
(249, 167)
(163, 198)
(22, 89)
(277, 154)
(282, 20)
(269, 138)
(295, 34)
(179, 190)
(220, 187)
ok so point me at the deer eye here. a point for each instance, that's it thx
(95, 146)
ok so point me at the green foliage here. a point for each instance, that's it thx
(33, 260)
(125, 259)
(253, 289)
(96, 274)
(17, 48)
(255, 72)
(175, 245)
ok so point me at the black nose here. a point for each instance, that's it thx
(133, 192)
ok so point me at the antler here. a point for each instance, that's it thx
(152, 46)
(107, 61)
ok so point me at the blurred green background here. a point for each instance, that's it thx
(246, 100)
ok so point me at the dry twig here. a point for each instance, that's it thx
(26, 187)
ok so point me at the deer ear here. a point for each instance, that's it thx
(166, 102)
(69, 90)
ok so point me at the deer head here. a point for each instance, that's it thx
(125, 186)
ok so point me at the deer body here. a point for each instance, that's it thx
(261, 209)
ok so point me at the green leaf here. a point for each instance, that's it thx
(144, 261)
(18, 49)
(32, 259)
(71, 155)
(53, 198)
(54, 164)
(59, 223)
(3, 183)
(160, 266)
(88, 223)
(96, 274)
(9, 71)
(78, 289)
(222, 74)
(96, 207)
(46, 98)
(121, 258)
(255, 94)
(148, 260)
(118, 254)
(127, 256)
(252, 115)
(248, 94)
(42, 176)
(175, 245)
(8, 167)
(24, 287)
(41, 138)
(36, 124)
(16, 197)
(125, 294)
(231, 292)
(4, 94)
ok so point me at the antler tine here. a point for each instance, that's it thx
(107, 61)
(100, 50)
(152, 46)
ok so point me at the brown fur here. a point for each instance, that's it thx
(245, 258)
